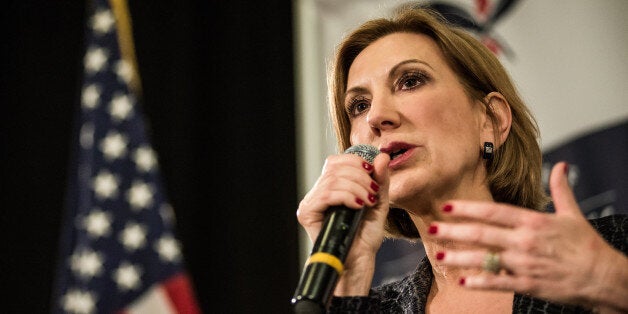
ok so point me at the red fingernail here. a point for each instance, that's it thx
(433, 229)
(359, 201)
(374, 186)
(367, 166)
(372, 198)
(448, 208)
(566, 168)
(440, 256)
(461, 281)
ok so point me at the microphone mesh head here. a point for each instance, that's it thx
(365, 151)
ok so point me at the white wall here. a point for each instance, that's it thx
(570, 64)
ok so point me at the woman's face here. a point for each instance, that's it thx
(403, 98)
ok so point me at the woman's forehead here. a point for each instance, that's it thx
(393, 48)
(381, 56)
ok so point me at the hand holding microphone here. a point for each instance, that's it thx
(332, 245)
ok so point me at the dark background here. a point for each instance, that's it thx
(218, 90)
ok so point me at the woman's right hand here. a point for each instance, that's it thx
(348, 180)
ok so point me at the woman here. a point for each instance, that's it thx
(461, 171)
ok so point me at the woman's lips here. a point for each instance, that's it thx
(399, 152)
(399, 159)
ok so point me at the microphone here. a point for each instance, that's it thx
(325, 263)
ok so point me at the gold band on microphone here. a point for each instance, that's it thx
(326, 258)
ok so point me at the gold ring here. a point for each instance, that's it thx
(491, 262)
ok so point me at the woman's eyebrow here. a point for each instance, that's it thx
(398, 65)
(393, 70)
(355, 90)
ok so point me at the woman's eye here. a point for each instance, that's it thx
(357, 106)
(412, 80)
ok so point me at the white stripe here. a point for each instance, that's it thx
(154, 301)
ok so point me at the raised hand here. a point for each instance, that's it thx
(557, 256)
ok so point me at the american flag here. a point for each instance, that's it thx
(119, 252)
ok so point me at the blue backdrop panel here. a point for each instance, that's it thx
(598, 172)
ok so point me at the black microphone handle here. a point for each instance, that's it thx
(326, 261)
(323, 270)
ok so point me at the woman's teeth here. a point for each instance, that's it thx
(396, 154)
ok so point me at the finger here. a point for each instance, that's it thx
(519, 284)
(495, 213)
(348, 162)
(381, 177)
(352, 167)
(473, 258)
(472, 233)
(502, 281)
(512, 262)
(370, 180)
(562, 195)
(339, 186)
(470, 259)
(351, 192)
(380, 164)
(380, 174)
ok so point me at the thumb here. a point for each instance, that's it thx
(562, 194)
(380, 174)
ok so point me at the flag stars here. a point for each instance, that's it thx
(140, 195)
(102, 22)
(97, 223)
(124, 70)
(78, 302)
(145, 158)
(113, 146)
(86, 264)
(116, 250)
(90, 96)
(95, 59)
(168, 249)
(120, 107)
(127, 276)
(133, 236)
(105, 185)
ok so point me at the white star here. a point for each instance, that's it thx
(105, 185)
(133, 236)
(120, 107)
(87, 135)
(97, 223)
(78, 302)
(145, 158)
(140, 195)
(95, 59)
(86, 263)
(113, 146)
(168, 248)
(102, 21)
(124, 70)
(90, 96)
(127, 276)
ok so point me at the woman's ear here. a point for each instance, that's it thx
(498, 106)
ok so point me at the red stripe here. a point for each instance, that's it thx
(180, 291)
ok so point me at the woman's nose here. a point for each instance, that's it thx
(382, 114)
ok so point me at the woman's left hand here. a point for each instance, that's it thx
(556, 256)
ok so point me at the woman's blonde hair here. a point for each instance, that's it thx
(514, 173)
